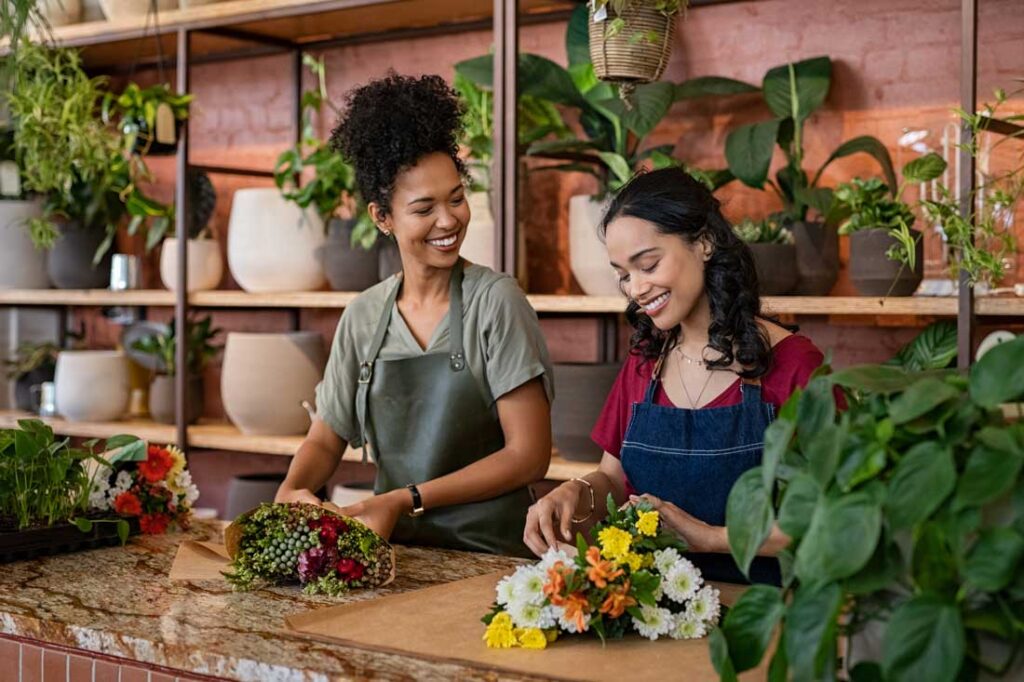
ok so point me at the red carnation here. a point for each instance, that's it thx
(350, 570)
(328, 528)
(154, 524)
(127, 504)
(158, 463)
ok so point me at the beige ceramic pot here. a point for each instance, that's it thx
(205, 264)
(125, 9)
(588, 257)
(92, 385)
(266, 377)
(478, 246)
(22, 265)
(61, 12)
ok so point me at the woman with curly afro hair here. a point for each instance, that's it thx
(706, 375)
(441, 370)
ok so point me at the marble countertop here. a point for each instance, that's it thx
(119, 601)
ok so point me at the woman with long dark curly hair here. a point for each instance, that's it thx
(706, 373)
(441, 369)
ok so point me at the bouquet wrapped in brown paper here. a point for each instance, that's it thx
(326, 552)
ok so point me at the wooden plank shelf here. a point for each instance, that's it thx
(86, 297)
(224, 436)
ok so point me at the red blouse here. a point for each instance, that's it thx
(794, 358)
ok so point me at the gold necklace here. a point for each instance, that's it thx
(679, 370)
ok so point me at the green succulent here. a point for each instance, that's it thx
(770, 230)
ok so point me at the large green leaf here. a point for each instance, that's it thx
(933, 562)
(750, 623)
(538, 77)
(718, 647)
(994, 559)
(873, 378)
(925, 168)
(479, 70)
(811, 628)
(988, 474)
(882, 570)
(748, 149)
(651, 102)
(798, 503)
(860, 463)
(933, 348)
(923, 479)
(617, 165)
(577, 37)
(867, 145)
(998, 377)
(796, 90)
(921, 398)
(776, 441)
(710, 86)
(841, 538)
(924, 641)
(748, 517)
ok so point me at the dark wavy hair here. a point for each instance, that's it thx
(677, 204)
(391, 123)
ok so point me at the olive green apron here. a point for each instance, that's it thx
(427, 416)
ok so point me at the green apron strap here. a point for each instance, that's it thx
(366, 366)
(457, 354)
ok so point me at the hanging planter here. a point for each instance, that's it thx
(631, 40)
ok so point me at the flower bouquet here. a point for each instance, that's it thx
(634, 580)
(326, 552)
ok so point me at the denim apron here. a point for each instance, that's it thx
(692, 458)
(427, 416)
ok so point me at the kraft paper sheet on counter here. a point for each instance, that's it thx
(443, 623)
(199, 561)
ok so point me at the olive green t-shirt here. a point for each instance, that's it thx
(503, 344)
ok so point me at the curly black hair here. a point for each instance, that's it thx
(678, 204)
(391, 123)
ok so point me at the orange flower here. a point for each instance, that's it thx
(154, 524)
(556, 584)
(618, 601)
(156, 465)
(127, 504)
(600, 572)
(577, 608)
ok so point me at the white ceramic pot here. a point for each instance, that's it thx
(61, 12)
(205, 265)
(588, 258)
(92, 385)
(122, 9)
(273, 245)
(478, 246)
(22, 265)
(266, 377)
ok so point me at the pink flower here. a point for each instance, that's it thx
(315, 562)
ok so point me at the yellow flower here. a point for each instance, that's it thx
(634, 561)
(614, 542)
(647, 560)
(531, 638)
(499, 634)
(177, 466)
(648, 523)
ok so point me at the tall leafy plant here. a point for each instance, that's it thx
(199, 351)
(905, 510)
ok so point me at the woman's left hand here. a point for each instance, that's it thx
(380, 513)
(700, 536)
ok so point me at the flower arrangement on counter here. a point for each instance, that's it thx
(635, 579)
(324, 551)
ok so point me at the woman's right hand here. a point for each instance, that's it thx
(549, 519)
(296, 495)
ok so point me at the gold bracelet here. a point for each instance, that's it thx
(591, 489)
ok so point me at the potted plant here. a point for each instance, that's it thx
(149, 118)
(906, 523)
(32, 364)
(205, 263)
(75, 160)
(22, 265)
(199, 352)
(350, 256)
(631, 40)
(771, 243)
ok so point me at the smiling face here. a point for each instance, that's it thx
(661, 272)
(429, 212)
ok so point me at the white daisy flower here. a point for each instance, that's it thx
(682, 581)
(685, 627)
(191, 494)
(553, 556)
(98, 493)
(656, 622)
(665, 559)
(122, 482)
(504, 590)
(705, 605)
(527, 615)
(529, 585)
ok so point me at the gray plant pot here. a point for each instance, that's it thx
(390, 258)
(24, 397)
(871, 271)
(69, 262)
(348, 268)
(817, 258)
(161, 399)
(776, 268)
(580, 393)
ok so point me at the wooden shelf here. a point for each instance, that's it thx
(224, 436)
(86, 297)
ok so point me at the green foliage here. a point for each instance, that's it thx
(31, 356)
(200, 347)
(770, 230)
(910, 512)
(333, 182)
(618, 16)
(933, 348)
(135, 111)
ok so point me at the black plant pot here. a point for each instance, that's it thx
(61, 538)
(349, 268)
(24, 399)
(161, 399)
(776, 268)
(817, 258)
(390, 258)
(580, 393)
(874, 274)
(69, 262)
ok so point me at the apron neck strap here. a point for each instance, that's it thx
(652, 387)
(456, 350)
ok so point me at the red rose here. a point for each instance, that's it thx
(350, 570)
(154, 524)
(127, 504)
(158, 462)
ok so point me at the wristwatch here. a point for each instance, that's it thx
(417, 501)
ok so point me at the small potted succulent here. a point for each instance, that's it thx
(163, 348)
(631, 40)
(771, 243)
(886, 253)
(150, 118)
(205, 262)
(33, 364)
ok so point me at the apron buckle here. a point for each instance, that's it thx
(458, 361)
(365, 372)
